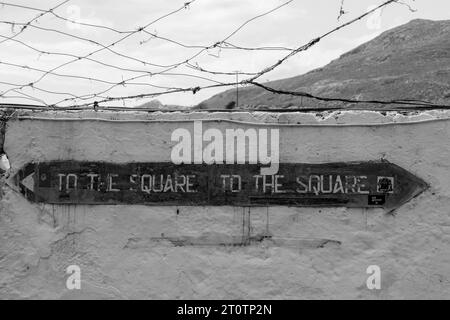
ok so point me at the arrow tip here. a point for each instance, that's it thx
(28, 182)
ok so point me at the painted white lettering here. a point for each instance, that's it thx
(74, 181)
(316, 187)
(189, 183)
(224, 181)
(257, 177)
(330, 184)
(146, 186)
(278, 185)
(266, 184)
(362, 184)
(61, 176)
(178, 184)
(92, 177)
(111, 183)
(169, 185)
(239, 183)
(133, 178)
(338, 186)
(350, 184)
(303, 186)
(161, 183)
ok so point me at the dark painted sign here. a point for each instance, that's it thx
(353, 184)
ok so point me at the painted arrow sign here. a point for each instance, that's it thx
(351, 184)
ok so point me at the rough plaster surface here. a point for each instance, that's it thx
(316, 252)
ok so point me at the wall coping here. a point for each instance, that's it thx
(325, 118)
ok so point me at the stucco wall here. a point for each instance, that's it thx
(321, 252)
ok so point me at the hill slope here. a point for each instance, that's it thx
(411, 61)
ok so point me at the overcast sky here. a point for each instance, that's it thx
(203, 23)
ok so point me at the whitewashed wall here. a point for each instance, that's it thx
(119, 259)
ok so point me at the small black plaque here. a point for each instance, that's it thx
(377, 200)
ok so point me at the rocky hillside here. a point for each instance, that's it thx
(411, 61)
(156, 104)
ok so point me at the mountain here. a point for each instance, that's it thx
(153, 104)
(411, 61)
(156, 105)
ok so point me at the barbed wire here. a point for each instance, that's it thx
(96, 98)
(185, 5)
(25, 25)
(87, 57)
(220, 44)
(197, 67)
(103, 46)
(316, 40)
(224, 45)
(415, 103)
(171, 67)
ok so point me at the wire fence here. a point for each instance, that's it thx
(143, 72)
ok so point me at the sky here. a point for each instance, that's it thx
(201, 23)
